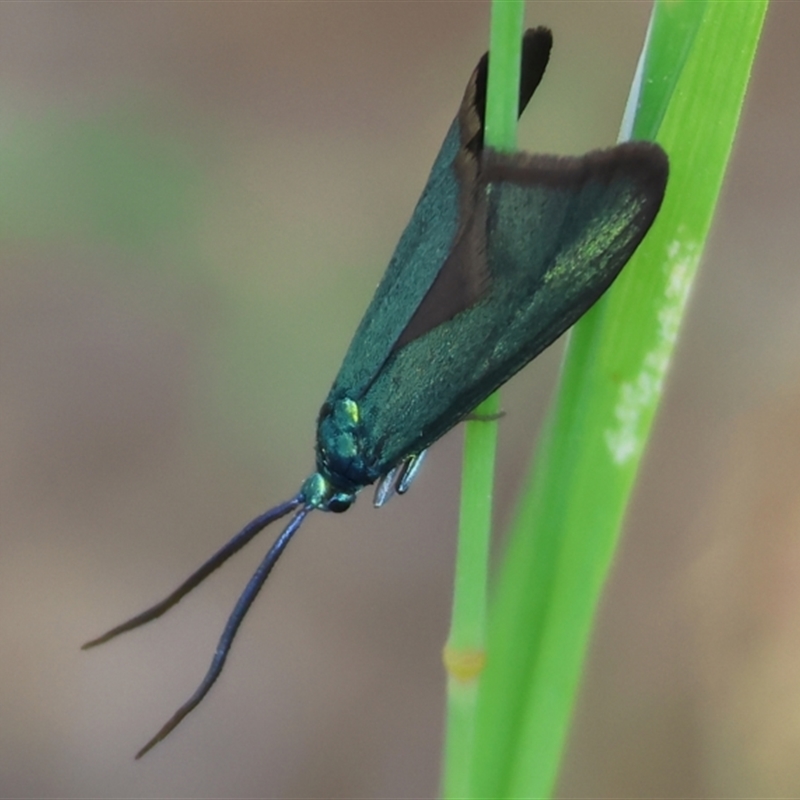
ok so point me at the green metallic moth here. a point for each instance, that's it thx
(502, 254)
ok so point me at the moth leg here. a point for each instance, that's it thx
(473, 417)
(386, 487)
(398, 479)
(410, 468)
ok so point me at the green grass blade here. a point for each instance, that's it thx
(464, 652)
(569, 522)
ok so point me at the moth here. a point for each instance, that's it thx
(503, 253)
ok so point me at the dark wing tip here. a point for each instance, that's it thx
(536, 46)
(646, 156)
(647, 165)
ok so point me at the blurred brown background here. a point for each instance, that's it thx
(196, 202)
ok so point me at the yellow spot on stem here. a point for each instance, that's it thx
(463, 665)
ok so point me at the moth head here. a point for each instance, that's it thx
(319, 492)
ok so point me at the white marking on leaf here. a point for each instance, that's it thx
(625, 440)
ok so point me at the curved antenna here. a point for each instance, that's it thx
(220, 557)
(231, 627)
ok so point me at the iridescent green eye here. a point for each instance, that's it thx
(339, 504)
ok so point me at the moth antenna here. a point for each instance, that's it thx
(220, 557)
(232, 626)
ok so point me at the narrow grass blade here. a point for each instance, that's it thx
(464, 651)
